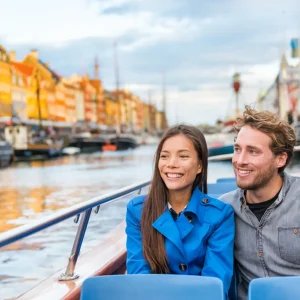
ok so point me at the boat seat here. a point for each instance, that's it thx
(152, 286)
(275, 288)
(220, 188)
(226, 179)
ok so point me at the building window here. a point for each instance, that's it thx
(19, 80)
(14, 79)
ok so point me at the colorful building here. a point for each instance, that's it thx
(5, 84)
(20, 83)
(111, 109)
(70, 103)
(44, 94)
(99, 103)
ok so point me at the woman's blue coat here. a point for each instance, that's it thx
(201, 246)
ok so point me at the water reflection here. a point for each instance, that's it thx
(33, 189)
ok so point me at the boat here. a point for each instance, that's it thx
(6, 152)
(28, 143)
(124, 141)
(106, 258)
(109, 147)
(70, 151)
(87, 143)
(215, 150)
(220, 143)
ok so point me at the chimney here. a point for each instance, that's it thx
(34, 53)
(12, 55)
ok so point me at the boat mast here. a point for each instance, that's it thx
(164, 101)
(38, 99)
(116, 64)
(149, 112)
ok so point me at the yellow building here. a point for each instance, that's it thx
(112, 109)
(5, 84)
(146, 117)
(70, 102)
(44, 89)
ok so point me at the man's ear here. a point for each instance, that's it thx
(281, 159)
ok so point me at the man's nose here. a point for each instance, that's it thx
(241, 158)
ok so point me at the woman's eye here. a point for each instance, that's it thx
(184, 156)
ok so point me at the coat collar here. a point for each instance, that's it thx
(196, 203)
(176, 232)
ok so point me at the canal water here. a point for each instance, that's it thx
(32, 190)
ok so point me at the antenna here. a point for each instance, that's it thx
(163, 92)
(149, 111)
(96, 68)
(116, 64)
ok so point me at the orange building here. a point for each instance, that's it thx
(99, 101)
(90, 93)
(5, 84)
(70, 103)
(28, 73)
(20, 84)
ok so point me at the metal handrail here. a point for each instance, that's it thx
(86, 207)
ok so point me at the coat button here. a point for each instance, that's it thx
(189, 218)
(182, 267)
(205, 200)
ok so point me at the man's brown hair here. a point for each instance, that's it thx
(281, 133)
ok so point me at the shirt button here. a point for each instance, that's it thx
(295, 231)
(260, 254)
(182, 267)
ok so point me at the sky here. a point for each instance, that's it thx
(194, 46)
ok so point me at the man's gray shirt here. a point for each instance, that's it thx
(271, 246)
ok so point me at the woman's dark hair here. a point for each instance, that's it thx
(153, 241)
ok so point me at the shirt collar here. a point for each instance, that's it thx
(170, 206)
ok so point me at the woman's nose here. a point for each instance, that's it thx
(172, 162)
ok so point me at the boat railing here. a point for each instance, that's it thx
(81, 212)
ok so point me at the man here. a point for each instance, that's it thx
(267, 202)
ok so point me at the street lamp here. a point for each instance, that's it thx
(236, 86)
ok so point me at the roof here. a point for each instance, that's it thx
(96, 83)
(24, 69)
(54, 74)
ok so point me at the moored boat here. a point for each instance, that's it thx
(28, 143)
(6, 152)
(124, 142)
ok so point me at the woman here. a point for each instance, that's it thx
(177, 228)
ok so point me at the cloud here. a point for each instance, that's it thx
(197, 44)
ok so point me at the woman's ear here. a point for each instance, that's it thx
(199, 170)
